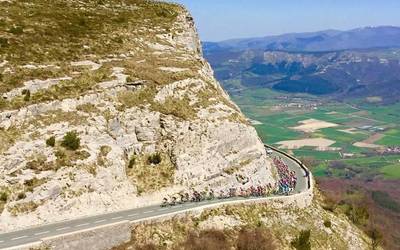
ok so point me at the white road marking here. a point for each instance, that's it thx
(81, 225)
(63, 228)
(116, 218)
(17, 238)
(42, 233)
(131, 215)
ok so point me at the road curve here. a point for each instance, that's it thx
(35, 234)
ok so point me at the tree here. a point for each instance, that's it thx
(71, 141)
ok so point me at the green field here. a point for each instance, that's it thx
(391, 138)
(277, 118)
(391, 171)
(319, 155)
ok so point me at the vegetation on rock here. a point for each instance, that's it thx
(207, 239)
(302, 242)
(150, 172)
(71, 141)
(255, 239)
(154, 159)
(51, 141)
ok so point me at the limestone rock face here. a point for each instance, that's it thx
(134, 89)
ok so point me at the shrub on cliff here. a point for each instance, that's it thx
(302, 242)
(132, 162)
(154, 159)
(375, 235)
(358, 214)
(327, 223)
(255, 239)
(27, 94)
(207, 240)
(21, 196)
(51, 142)
(3, 197)
(71, 141)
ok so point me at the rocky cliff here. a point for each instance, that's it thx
(108, 105)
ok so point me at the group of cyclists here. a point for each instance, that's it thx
(196, 196)
(287, 179)
(286, 184)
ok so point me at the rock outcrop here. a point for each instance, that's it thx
(127, 78)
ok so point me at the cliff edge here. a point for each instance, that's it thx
(109, 105)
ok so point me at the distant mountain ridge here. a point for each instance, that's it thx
(321, 41)
(359, 63)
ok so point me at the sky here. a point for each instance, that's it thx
(219, 20)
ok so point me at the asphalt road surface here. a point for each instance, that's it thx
(34, 234)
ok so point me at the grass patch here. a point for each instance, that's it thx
(138, 98)
(33, 183)
(391, 138)
(65, 89)
(39, 163)
(318, 155)
(57, 116)
(8, 137)
(102, 156)
(4, 196)
(391, 171)
(178, 108)
(23, 208)
(64, 158)
(231, 170)
(15, 79)
(37, 31)
(88, 108)
(149, 177)
(67, 158)
(145, 97)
